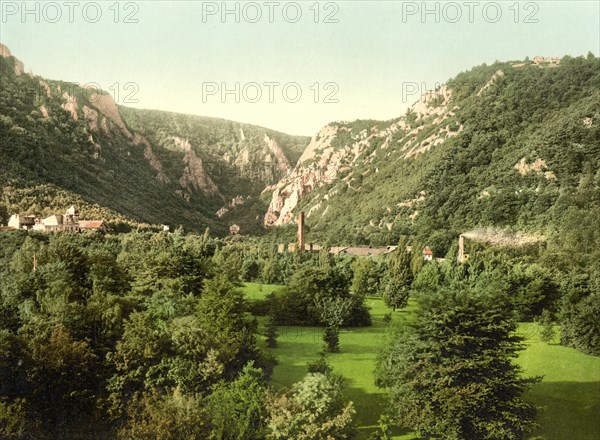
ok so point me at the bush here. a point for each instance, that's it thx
(319, 365)
(313, 409)
(331, 337)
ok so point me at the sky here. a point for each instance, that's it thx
(289, 66)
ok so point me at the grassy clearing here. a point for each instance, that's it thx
(568, 397)
(254, 291)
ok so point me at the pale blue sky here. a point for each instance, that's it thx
(373, 50)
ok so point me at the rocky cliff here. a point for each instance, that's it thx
(329, 155)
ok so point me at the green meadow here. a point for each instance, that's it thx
(568, 398)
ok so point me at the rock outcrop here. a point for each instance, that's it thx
(19, 66)
(91, 117)
(282, 162)
(106, 105)
(195, 177)
(151, 158)
(325, 160)
(537, 166)
(70, 105)
(305, 177)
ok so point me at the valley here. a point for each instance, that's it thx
(432, 275)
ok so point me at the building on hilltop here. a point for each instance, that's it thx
(546, 60)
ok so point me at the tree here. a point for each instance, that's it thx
(400, 276)
(580, 325)
(171, 416)
(13, 419)
(271, 332)
(451, 372)
(333, 313)
(429, 279)
(63, 378)
(396, 293)
(3, 214)
(367, 277)
(228, 261)
(140, 350)
(301, 302)
(237, 410)
(547, 334)
(313, 409)
(221, 318)
(269, 273)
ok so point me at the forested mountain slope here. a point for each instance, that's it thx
(63, 144)
(512, 145)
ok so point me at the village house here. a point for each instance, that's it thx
(67, 222)
(17, 221)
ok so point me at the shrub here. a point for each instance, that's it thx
(313, 409)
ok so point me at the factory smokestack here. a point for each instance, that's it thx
(301, 231)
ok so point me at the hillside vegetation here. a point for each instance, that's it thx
(64, 142)
(513, 145)
(498, 146)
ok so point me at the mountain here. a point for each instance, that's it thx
(514, 145)
(511, 146)
(64, 144)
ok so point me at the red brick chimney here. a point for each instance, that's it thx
(301, 231)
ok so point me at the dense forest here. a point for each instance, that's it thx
(147, 335)
(141, 336)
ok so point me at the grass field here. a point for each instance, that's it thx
(568, 398)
